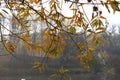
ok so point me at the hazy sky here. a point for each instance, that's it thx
(112, 18)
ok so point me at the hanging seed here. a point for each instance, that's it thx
(95, 8)
(67, 0)
(89, 0)
(100, 12)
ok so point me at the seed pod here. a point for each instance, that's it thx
(67, 0)
(89, 0)
(95, 8)
(100, 12)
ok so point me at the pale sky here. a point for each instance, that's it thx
(112, 18)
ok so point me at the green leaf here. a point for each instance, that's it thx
(62, 70)
(55, 75)
(89, 30)
(107, 7)
(72, 30)
(115, 6)
(5, 11)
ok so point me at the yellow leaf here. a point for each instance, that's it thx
(10, 4)
(82, 58)
(62, 36)
(91, 48)
(49, 43)
(35, 66)
(13, 19)
(34, 48)
(24, 43)
(45, 34)
(94, 22)
(100, 31)
(60, 49)
(89, 34)
(45, 37)
(102, 17)
(25, 38)
(100, 28)
(1, 15)
(81, 45)
(37, 42)
(28, 48)
(10, 47)
(62, 42)
(36, 63)
(19, 24)
(39, 50)
(31, 1)
(36, 19)
(93, 18)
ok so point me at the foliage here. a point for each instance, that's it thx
(40, 66)
(62, 73)
(52, 22)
